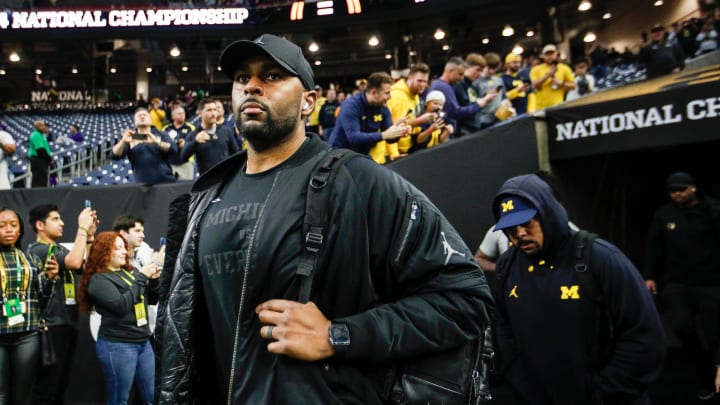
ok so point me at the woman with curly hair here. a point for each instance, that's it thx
(121, 294)
(21, 289)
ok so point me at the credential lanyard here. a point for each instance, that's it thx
(140, 314)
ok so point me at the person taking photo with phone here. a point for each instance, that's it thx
(60, 313)
(551, 79)
(150, 151)
(121, 293)
(437, 131)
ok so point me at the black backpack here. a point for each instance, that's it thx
(598, 324)
(453, 377)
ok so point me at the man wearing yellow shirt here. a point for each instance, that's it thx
(404, 103)
(551, 79)
(157, 114)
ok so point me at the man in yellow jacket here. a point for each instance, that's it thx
(404, 104)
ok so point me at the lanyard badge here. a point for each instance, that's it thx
(69, 288)
(14, 310)
(140, 314)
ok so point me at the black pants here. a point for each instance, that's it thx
(52, 380)
(39, 168)
(19, 362)
(694, 314)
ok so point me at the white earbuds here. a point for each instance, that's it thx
(693, 189)
(306, 105)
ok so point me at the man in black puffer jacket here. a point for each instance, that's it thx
(398, 281)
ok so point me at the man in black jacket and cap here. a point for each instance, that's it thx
(395, 281)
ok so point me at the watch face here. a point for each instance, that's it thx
(339, 335)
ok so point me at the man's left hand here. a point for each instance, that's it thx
(299, 330)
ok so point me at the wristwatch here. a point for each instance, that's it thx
(339, 335)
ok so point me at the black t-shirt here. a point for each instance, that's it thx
(59, 310)
(224, 240)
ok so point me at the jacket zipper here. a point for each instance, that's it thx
(406, 235)
(242, 291)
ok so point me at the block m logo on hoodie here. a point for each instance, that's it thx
(569, 293)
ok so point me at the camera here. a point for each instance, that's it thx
(440, 113)
(583, 86)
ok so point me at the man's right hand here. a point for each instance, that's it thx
(128, 136)
(651, 286)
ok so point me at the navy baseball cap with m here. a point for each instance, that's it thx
(514, 211)
(285, 53)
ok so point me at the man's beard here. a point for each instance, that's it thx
(265, 135)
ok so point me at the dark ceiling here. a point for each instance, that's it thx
(405, 30)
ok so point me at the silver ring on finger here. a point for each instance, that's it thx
(269, 331)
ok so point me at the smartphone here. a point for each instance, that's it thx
(163, 241)
(140, 137)
(51, 252)
(88, 204)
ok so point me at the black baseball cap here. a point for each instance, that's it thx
(284, 52)
(679, 181)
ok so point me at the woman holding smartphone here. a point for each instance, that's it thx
(19, 324)
(121, 295)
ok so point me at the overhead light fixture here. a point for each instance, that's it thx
(530, 33)
(412, 53)
(388, 56)
(518, 50)
(14, 57)
(485, 40)
(590, 37)
(38, 71)
(607, 16)
(219, 68)
(2, 72)
(113, 70)
(184, 68)
(148, 69)
(584, 5)
(313, 47)
(446, 47)
(74, 70)
(373, 41)
(318, 62)
(439, 34)
(658, 3)
(508, 31)
(174, 51)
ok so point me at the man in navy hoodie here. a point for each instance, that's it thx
(552, 353)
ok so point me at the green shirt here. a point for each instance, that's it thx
(38, 141)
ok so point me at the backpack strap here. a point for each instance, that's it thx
(317, 212)
(598, 324)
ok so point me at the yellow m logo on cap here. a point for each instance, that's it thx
(569, 293)
(507, 206)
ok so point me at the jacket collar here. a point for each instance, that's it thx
(234, 163)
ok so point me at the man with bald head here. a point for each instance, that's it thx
(39, 154)
(235, 330)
